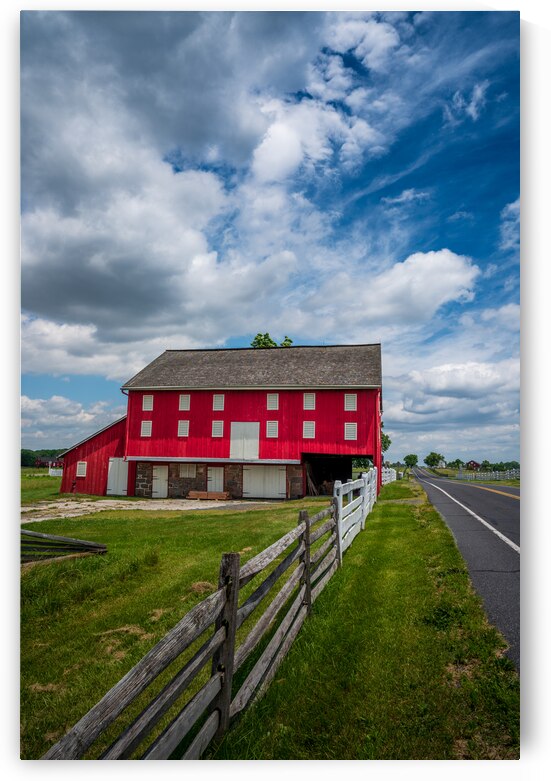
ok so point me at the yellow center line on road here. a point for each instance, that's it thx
(482, 487)
(494, 491)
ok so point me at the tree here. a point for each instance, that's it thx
(410, 460)
(457, 464)
(386, 441)
(485, 465)
(433, 459)
(265, 340)
(28, 457)
(362, 463)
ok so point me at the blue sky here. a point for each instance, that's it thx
(189, 179)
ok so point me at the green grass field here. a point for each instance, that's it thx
(396, 662)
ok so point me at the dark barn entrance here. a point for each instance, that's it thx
(322, 471)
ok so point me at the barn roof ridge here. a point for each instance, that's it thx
(327, 366)
(290, 347)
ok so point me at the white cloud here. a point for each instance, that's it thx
(278, 155)
(61, 421)
(406, 197)
(472, 106)
(510, 227)
(370, 40)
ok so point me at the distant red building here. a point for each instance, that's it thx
(474, 466)
(249, 422)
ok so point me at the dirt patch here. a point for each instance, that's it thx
(457, 672)
(72, 508)
(202, 587)
(45, 687)
(130, 629)
(157, 614)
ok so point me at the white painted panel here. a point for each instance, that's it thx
(117, 477)
(215, 478)
(265, 482)
(160, 481)
(244, 442)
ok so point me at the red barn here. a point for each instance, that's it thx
(272, 423)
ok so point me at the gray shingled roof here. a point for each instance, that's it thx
(338, 366)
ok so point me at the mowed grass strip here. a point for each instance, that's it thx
(397, 661)
(85, 622)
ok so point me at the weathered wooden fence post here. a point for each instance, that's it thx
(337, 505)
(223, 659)
(304, 518)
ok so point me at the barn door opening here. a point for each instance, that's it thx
(117, 477)
(160, 481)
(244, 441)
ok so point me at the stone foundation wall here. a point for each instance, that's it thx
(233, 480)
(144, 479)
(179, 487)
(295, 484)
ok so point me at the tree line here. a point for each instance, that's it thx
(30, 457)
(433, 459)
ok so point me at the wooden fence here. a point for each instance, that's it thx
(355, 500)
(36, 546)
(509, 474)
(307, 556)
(388, 475)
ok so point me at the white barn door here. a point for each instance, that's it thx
(160, 481)
(244, 441)
(215, 478)
(117, 477)
(265, 482)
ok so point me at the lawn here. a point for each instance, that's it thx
(86, 622)
(396, 662)
(37, 485)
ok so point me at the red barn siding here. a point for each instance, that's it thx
(96, 451)
(250, 406)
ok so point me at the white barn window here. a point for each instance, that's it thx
(81, 468)
(272, 401)
(309, 429)
(350, 402)
(351, 431)
(183, 428)
(147, 403)
(184, 402)
(272, 429)
(309, 401)
(217, 428)
(218, 401)
(188, 470)
(146, 428)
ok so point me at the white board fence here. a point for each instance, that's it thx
(355, 500)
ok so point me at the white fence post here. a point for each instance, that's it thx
(365, 497)
(337, 492)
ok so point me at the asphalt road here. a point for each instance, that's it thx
(489, 543)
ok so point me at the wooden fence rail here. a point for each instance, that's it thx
(36, 546)
(293, 572)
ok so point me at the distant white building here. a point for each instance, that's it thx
(441, 464)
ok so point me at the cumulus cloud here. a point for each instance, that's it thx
(62, 422)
